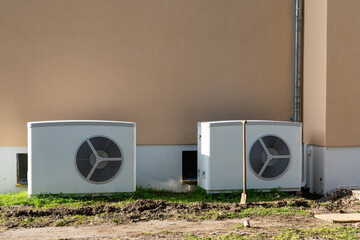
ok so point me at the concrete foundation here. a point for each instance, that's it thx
(157, 166)
(160, 166)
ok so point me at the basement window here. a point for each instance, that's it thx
(189, 166)
(21, 169)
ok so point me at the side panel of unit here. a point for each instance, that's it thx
(199, 170)
(221, 157)
(203, 154)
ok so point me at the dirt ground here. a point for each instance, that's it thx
(149, 219)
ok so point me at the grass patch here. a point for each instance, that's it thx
(56, 200)
(261, 211)
(336, 232)
(339, 232)
(250, 212)
(199, 194)
(222, 237)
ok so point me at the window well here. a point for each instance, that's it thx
(21, 169)
(189, 166)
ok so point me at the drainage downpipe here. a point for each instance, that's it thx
(296, 116)
(297, 110)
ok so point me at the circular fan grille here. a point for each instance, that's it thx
(98, 159)
(269, 157)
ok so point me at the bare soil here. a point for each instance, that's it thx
(157, 219)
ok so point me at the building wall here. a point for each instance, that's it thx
(162, 64)
(343, 71)
(332, 93)
(331, 73)
(315, 72)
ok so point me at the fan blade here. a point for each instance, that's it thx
(92, 170)
(280, 156)
(92, 148)
(108, 175)
(264, 166)
(264, 147)
(110, 159)
(107, 144)
(277, 142)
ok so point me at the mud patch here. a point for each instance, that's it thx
(139, 210)
(146, 210)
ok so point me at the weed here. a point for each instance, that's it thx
(61, 223)
(115, 220)
(237, 226)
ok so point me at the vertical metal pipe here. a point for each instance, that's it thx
(296, 63)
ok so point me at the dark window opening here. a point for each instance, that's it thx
(189, 165)
(22, 168)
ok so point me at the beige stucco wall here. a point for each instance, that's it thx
(343, 81)
(331, 73)
(315, 75)
(162, 64)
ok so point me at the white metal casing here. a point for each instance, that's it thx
(220, 149)
(52, 149)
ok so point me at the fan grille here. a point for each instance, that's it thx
(98, 159)
(269, 157)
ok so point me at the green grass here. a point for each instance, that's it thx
(261, 211)
(45, 201)
(251, 212)
(200, 194)
(221, 237)
(55, 200)
(51, 200)
(335, 232)
(327, 232)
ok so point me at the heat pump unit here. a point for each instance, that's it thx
(273, 155)
(81, 157)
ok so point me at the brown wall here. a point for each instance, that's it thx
(332, 73)
(163, 64)
(315, 60)
(343, 87)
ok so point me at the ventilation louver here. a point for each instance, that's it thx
(98, 159)
(269, 157)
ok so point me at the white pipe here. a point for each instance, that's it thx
(309, 153)
(304, 165)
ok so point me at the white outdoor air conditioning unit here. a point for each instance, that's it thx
(81, 157)
(273, 155)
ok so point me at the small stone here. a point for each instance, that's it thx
(246, 224)
(277, 196)
(356, 225)
(310, 214)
